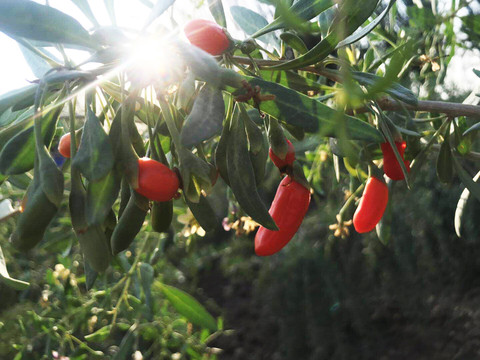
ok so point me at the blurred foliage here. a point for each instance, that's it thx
(323, 296)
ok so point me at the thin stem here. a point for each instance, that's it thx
(349, 201)
(172, 127)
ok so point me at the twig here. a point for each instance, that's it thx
(443, 107)
(386, 103)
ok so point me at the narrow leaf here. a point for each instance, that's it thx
(474, 127)
(187, 306)
(31, 20)
(294, 42)
(5, 277)
(203, 213)
(15, 96)
(461, 205)
(95, 157)
(250, 22)
(311, 115)
(444, 160)
(466, 179)
(216, 9)
(394, 89)
(241, 174)
(367, 29)
(158, 9)
(206, 117)
(38, 65)
(350, 16)
(302, 9)
(90, 277)
(87, 11)
(18, 154)
(101, 195)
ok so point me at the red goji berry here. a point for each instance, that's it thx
(391, 167)
(288, 210)
(64, 146)
(156, 181)
(372, 205)
(208, 36)
(289, 158)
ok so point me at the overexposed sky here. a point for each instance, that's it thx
(15, 72)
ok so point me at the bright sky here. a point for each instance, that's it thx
(15, 72)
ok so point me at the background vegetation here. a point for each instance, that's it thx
(411, 292)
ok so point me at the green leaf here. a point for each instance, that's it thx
(101, 195)
(325, 19)
(161, 216)
(216, 9)
(129, 223)
(87, 11)
(51, 177)
(186, 92)
(96, 253)
(202, 64)
(250, 22)
(90, 275)
(100, 335)
(92, 240)
(205, 67)
(351, 15)
(110, 6)
(391, 73)
(461, 205)
(38, 65)
(95, 157)
(196, 175)
(203, 213)
(5, 277)
(384, 227)
(125, 347)
(474, 127)
(21, 181)
(300, 110)
(422, 155)
(206, 117)
(276, 138)
(13, 97)
(302, 9)
(394, 89)
(294, 42)
(12, 122)
(221, 153)
(422, 18)
(18, 154)
(389, 131)
(147, 276)
(444, 160)
(367, 29)
(187, 306)
(292, 80)
(31, 20)
(38, 212)
(158, 9)
(241, 174)
(466, 179)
